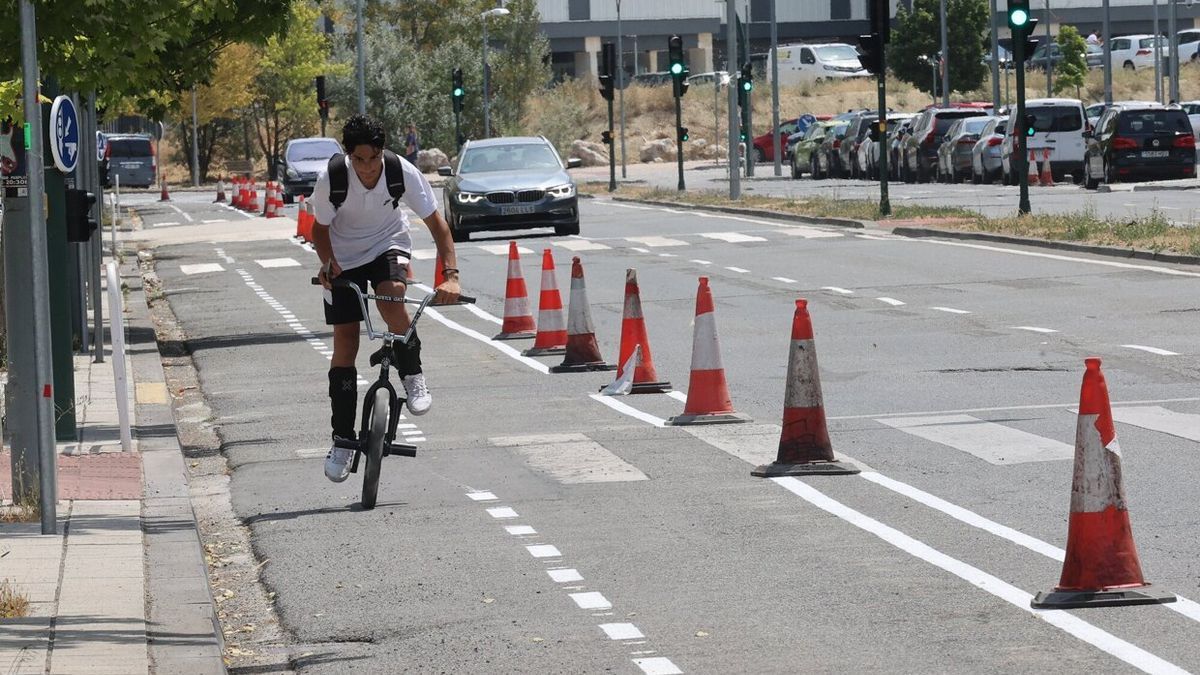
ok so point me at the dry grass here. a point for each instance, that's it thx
(13, 603)
(25, 507)
(1153, 232)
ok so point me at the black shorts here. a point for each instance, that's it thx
(391, 266)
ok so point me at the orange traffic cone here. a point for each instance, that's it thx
(438, 278)
(236, 202)
(1047, 177)
(804, 446)
(253, 205)
(220, 191)
(309, 220)
(708, 399)
(271, 210)
(518, 320)
(1101, 567)
(1033, 170)
(301, 216)
(633, 335)
(583, 353)
(552, 326)
(163, 196)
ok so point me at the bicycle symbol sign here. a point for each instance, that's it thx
(64, 134)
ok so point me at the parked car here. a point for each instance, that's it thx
(1052, 53)
(799, 64)
(652, 79)
(764, 146)
(954, 154)
(919, 151)
(1136, 142)
(510, 183)
(1058, 125)
(896, 147)
(1189, 44)
(716, 76)
(827, 155)
(1094, 111)
(1137, 51)
(856, 133)
(303, 160)
(129, 158)
(868, 149)
(803, 158)
(985, 154)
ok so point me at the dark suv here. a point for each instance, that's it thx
(1137, 142)
(856, 134)
(919, 151)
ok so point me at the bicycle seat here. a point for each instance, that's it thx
(377, 357)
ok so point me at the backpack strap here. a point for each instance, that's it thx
(393, 173)
(339, 180)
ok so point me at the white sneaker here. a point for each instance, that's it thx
(419, 398)
(337, 463)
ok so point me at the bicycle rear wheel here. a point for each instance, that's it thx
(376, 433)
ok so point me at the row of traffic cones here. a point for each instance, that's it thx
(1101, 565)
(1046, 177)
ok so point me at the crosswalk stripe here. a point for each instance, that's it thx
(809, 233)
(731, 237)
(502, 249)
(991, 442)
(656, 242)
(203, 268)
(1158, 418)
(277, 262)
(581, 245)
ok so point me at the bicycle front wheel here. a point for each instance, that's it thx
(376, 433)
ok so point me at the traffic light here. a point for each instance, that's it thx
(1018, 14)
(606, 137)
(870, 54)
(322, 101)
(679, 71)
(683, 134)
(1030, 43)
(1029, 125)
(879, 12)
(745, 85)
(683, 80)
(743, 136)
(457, 92)
(80, 224)
(606, 87)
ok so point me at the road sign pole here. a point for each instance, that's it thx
(776, 141)
(885, 205)
(96, 244)
(679, 139)
(735, 184)
(1023, 207)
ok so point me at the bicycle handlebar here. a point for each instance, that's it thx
(342, 283)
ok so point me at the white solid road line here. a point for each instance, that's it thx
(1152, 350)
(1129, 653)
(626, 409)
(678, 395)
(1041, 406)
(991, 442)
(181, 212)
(1055, 256)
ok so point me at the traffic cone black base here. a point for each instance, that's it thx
(714, 418)
(1107, 598)
(777, 469)
(648, 388)
(544, 351)
(582, 367)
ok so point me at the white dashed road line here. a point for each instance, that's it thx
(1152, 350)
(701, 262)
(739, 270)
(891, 301)
(1035, 329)
(785, 280)
(836, 289)
(950, 310)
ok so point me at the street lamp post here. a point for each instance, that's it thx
(945, 55)
(487, 123)
(621, 85)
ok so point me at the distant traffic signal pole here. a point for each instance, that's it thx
(745, 86)
(679, 74)
(607, 65)
(735, 185)
(1022, 26)
(874, 58)
(457, 93)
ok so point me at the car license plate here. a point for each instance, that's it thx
(130, 165)
(1156, 153)
(520, 210)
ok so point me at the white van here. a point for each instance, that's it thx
(1058, 126)
(803, 64)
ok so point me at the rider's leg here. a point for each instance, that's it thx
(407, 358)
(343, 379)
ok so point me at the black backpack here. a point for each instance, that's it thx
(339, 178)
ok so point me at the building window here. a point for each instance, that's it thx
(760, 11)
(579, 10)
(839, 10)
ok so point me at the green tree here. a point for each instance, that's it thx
(917, 39)
(284, 104)
(221, 106)
(1072, 69)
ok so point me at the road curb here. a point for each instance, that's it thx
(186, 636)
(742, 211)
(1096, 249)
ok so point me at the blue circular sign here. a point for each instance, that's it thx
(64, 134)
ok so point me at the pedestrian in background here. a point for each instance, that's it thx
(1093, 38)
(412, 144)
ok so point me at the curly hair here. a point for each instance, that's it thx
(362, 130)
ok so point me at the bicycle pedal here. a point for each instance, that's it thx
(402, 449)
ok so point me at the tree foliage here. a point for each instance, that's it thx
(411, 49)
(220, 107)
(917, 41)
(1072, 69)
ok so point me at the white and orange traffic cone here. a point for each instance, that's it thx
(220, 191)
(253, 205)
(583, 352)
(634, 335)
(270, 210)
(301, 216)
(624, 383)
(236, 202)
(551, 323)
(1047, 176)
(708, 399)
(1101, 567)
(163, 196)
(518, 319)
(438, 277)
(804, 446)
(1033, 170)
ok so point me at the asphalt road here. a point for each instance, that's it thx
(545, 529)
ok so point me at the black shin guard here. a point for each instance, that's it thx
(407, 358)
(343, 400)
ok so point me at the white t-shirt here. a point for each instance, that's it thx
(366, 226)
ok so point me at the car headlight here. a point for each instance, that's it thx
(562, 191)
(292, 173)
(468, 197)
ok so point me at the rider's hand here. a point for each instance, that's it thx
(447, 292)
(329, 271)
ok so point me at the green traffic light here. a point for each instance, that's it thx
(1018, 17)
(747, 86)
(458, 92)
(676, 68)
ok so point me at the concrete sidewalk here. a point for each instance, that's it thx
(122, 587)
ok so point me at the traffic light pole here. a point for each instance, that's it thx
(885, 205)
(612, 156)
(1018, 43)
(678, 137)
(458, 130)
(748, 113)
